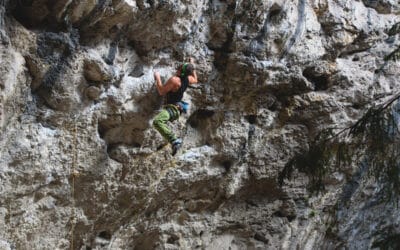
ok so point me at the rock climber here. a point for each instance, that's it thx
(173, 91)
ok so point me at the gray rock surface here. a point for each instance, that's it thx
(82, 168)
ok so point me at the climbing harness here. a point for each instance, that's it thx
(182, 106)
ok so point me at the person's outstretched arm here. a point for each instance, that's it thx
(192, 78)
(163, 89)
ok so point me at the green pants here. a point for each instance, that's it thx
(168, 113)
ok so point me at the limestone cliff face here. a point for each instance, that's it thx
(82, 168)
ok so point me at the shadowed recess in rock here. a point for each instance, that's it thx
(224, 161)
(320, 80)
(199, 117)
(252, 119)
(105, 235)
(40, 14)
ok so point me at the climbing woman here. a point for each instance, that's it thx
(173, 90)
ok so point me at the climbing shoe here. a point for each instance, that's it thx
(176, 145)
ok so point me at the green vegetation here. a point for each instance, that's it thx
(394, 55)
(390, 242)
(394, 30)
(373, 139)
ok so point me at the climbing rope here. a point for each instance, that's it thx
(153, 189)
(160, 177)
(73, 175)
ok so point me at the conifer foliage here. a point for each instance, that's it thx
(372, 140)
